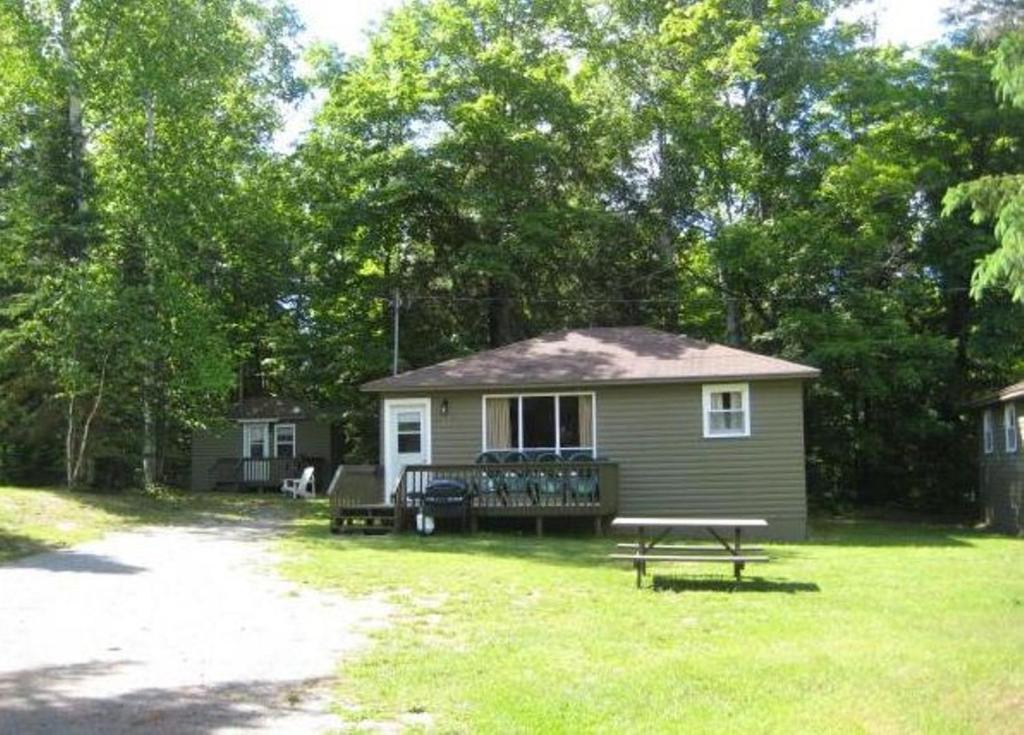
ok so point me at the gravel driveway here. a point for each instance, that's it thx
(170, 630)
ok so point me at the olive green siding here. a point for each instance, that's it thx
(1002, 474)
(313, 439)
(667, 467)
(655, 434)
(207, 447)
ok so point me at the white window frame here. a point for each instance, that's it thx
(247, 426)
(706, 392)
(294, 442)
(1010, 428)
(557, 449)
(988, 432)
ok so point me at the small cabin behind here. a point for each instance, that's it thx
(1001, 463)
(263, 441)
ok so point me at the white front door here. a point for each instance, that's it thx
(256, 452)
(406, 438)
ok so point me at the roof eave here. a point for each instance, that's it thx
(994, 398)
(381, 386)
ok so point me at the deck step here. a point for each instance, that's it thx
(365, 519)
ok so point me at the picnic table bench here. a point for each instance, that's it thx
(640, 551)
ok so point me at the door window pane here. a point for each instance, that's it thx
(539, 422)
(408, 443)
(408, 421)
(409, 432)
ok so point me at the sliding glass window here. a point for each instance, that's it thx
(561, 423)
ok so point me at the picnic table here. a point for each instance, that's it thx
(650, 532)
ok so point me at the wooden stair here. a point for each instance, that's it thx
(365, 519)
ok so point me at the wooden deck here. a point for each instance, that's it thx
(529, 490)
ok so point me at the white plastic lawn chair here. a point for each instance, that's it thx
(303, 487)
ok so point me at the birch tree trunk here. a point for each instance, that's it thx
(149, 475)
(69, 442)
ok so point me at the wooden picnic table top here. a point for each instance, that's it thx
(690, 522)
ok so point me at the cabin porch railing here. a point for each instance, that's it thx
(267, 472)
(525, 489)
(357, 485)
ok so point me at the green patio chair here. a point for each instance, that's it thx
(550, 482)
(517, 484)
(583, 483)
(489, 484)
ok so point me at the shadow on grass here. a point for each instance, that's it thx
(588, 551)
(181, 507)
(674, 583)
(15, 545)
(44, 700)
(559, 550)
(857, 532)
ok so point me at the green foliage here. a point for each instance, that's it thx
(1000, 198)
(745, 172)
(135, 158)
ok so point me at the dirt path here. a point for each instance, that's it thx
(170, 630)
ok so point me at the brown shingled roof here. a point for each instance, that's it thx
(602, 355)
(270, 407)
(1008, 393)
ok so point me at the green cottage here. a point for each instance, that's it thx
(263, 441)
(1001, 463)
(602, 422)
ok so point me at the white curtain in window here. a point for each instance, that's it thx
(586, 421)
(499, 423)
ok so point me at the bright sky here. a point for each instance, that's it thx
(347, 22)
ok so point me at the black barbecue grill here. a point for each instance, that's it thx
(443, 499)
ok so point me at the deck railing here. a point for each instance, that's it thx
(267, 472)
(521, 489)
(357, 485)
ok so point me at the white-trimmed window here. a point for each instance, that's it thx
(988, 431)
(726, 410)
(284, 441)
(1010, 426)
(409, 432)
(562, 423)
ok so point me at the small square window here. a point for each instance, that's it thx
(726, 410)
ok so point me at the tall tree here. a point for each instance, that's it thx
(999, 198)
(166, 114)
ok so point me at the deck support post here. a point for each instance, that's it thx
(598, 526)
(539, 523)
(737, 568)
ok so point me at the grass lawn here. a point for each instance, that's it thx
(867, 627)
(40, 519)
